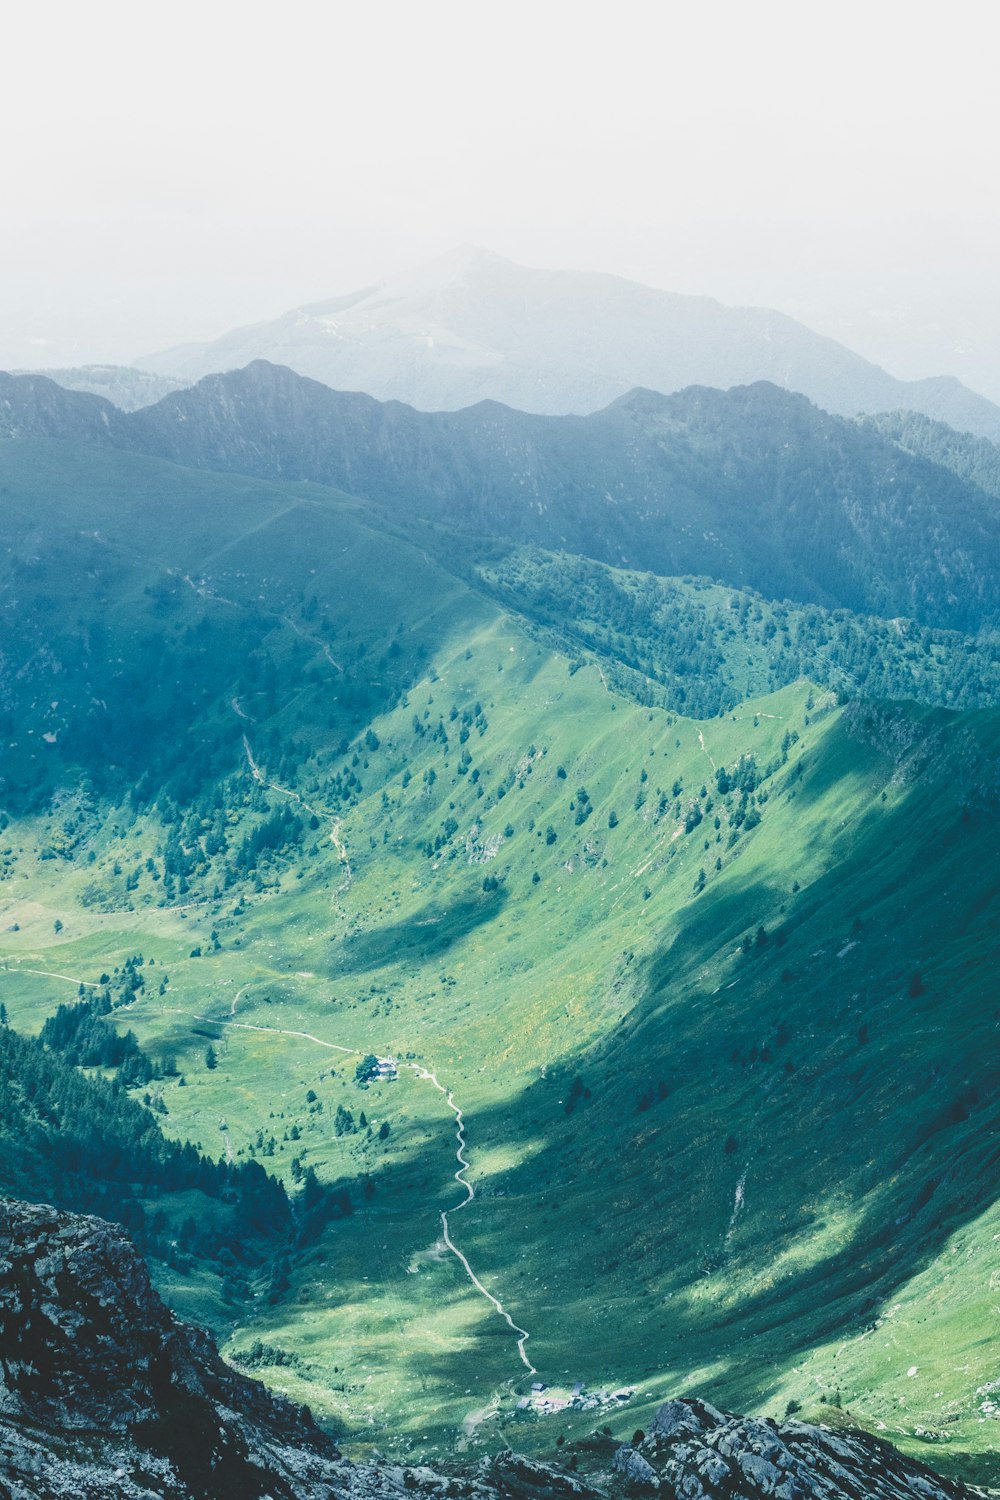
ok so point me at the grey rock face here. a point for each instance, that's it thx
(636, 1468)
(87, 1346)
(704, 1454)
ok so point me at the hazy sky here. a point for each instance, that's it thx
(171, 170)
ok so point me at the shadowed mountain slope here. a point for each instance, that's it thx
(973, 459)
(752, 487)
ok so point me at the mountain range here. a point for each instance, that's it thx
(753, 487)
(123, 386)
(472, 326)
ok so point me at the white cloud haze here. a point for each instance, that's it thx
(171, 170)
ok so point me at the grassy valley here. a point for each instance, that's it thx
(710, 993)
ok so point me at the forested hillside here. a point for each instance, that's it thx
(974, 459)
(699, 648)
(92, 1143)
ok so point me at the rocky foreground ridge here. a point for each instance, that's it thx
(104, 1393)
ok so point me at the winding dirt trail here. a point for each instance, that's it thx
(274, 1030)
(335, 824)
(48, 974)
(423, 1074)
(204, 592)
(523, 1334)
(236, 999)
(313, 641)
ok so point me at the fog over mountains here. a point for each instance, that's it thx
(472, 326)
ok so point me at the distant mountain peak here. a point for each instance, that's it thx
(471, 325)
(640, 399)
(763, 397)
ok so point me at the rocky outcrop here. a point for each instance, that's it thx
(698, 1453)
(96, 1375)
(104, 1395)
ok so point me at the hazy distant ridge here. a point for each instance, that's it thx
(125, 387)
(473, 326)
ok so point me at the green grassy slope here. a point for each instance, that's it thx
(729, 1091)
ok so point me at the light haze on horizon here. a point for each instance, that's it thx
(183, 169)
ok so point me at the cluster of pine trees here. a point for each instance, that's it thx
(84, 1144)
(707, 648)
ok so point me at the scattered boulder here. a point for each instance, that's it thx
(636, 1468)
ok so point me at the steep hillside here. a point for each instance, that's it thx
(473, 326)
(86, 1142)
(35, 406)
(752, 487)
(141, 601)
(138, 596)
(973, 459)
(111, 1396)
(699, 648)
